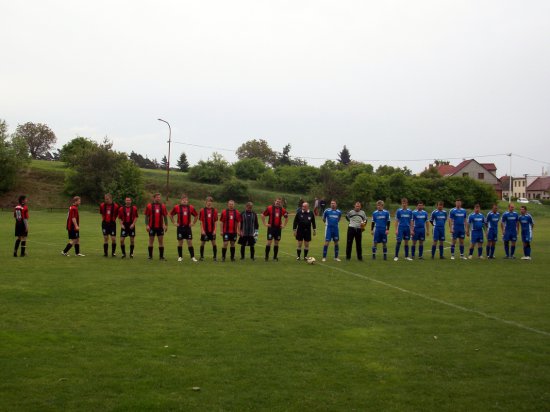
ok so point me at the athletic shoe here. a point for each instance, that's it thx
(298, 258)
(150, 257)
(193, 259)
(452, 257)
(123, 257)
(463, 257)
(525, 258)
(324, 260)
(180, 259)
(276, 259)
(395, 259)
(512, 257)
(113, 255)
(408, 258)
(481, 257)
(201, 258)
(64, 254)
(132, 256)
(215, 259)
(80, 254)
(441, 257)
(420, 257)
(162, 258)
(337, 260)
(470, 257)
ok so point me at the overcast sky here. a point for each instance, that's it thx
(389, 79)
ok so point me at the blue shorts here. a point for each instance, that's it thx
(476, 236)
(419, 234)
(331, 233)
(492, 235)
(403, 233)
(439, 233)
(526, 236)
(380, 236)
(510, 237)
(459, 234)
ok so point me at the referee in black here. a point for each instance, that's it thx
(304, 222)
(249, 230)
(357, 220)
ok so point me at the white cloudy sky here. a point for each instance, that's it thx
(390, 79)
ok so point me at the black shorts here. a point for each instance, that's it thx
(74, 234)
(20, 229)
(303, 234)
(273, 233)
(108, 228)
(247, 240)
(208, 236)
(126, 231)
(156, 232)
(229, 237)
(184, 232)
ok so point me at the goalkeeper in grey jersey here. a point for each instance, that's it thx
(357, 221)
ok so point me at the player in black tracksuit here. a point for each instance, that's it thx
(303, 226)
(249, 230)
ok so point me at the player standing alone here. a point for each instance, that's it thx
(208, 217)
(184, 211)
(128, 215)
(21, 215)
(156, 224)
(526, 224)
(491, 222)
(275, 214)
(332, 217)
(304, 222)
(510, 226)
(380, 227)
(109, 212)
(403, 218)
(438, 219)
(230, 221)
(475, 226)
(73, 228)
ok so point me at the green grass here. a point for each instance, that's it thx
(98, 333)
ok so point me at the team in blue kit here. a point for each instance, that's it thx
(331, 217)
(510, 225)
(457, 227)
(438, 219)
(491, 223)
(403, 219)
(475, 227)
(526, 224)
(380, 227)
(419, 229)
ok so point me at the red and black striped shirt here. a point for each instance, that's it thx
(21, 212)
(108, 212)
(156, 212)
(127, 214)
(230, 219)
(184, 213)
(73, 214)
(208, 218)
(276, 214)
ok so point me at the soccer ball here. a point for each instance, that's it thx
(310, 260)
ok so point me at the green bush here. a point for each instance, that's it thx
(249, 169)
(213, 170)
(233, 189)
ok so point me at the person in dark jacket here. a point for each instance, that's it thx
(303, 226)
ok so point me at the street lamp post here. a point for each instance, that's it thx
(510, 180)
(168, 159)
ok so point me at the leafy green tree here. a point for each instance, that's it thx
(249, 169)
(258, 149)
(298, 179)
(183, 164)
(39, 137)
(214, 170)
(13, 156)
(164, 163)
(344, 156)
(233, 189)
(73, 151)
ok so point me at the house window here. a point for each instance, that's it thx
(481, 176)
(465, 174)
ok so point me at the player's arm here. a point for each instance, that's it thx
(388, 225)
(295, 223)
(171, 215)
(396, 225)
(75, 223)
(195, 217)
(313, 223)
(372, 227)
(427, 229)
(467, 227)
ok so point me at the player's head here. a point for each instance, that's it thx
(184, 199)
(523, 210)
(22, 200)
(156, 197)
(511, 207)
(108, 198)
(128, 201)
(357, 206)
(458, 203)
(333, 204)
(248, 206)
(420, 205)
(477, 208)
(380, 204)
(404, 202)
(440, 205)
(231, 205)
(495, 208)
(278, 202)
(209, 201)
(76, 200)
(305, 206)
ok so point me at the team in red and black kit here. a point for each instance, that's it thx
(73, 228)
(187, 217)
(275, 214)
(21, 215)
(230, 222)
(109, 213)
(128, 215)
(156, 221)
(208, 216)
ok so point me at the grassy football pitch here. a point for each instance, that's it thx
(97, 333)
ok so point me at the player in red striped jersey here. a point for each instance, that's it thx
(275, 214)
(73, 228)
(156, 223)
(128, 215)
(208, 217)
(21, 215)
(109, 212)
(230, 222)
(184, 211)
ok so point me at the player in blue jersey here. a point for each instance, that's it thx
(510, 225)
(419, 229)
(474, 229)
(491, 222)
(438, 220)
(331, 217)
(380, 227)
(457, 221)
(403, 218)
(526, 223)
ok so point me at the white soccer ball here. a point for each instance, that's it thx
(310, 260)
